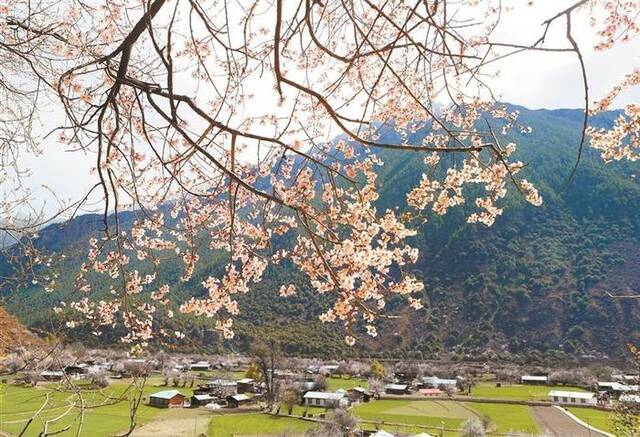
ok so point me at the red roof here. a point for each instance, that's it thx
(430, 391)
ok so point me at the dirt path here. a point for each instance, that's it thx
(177, 422)
(553, 421)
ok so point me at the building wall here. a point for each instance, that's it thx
(574, 401)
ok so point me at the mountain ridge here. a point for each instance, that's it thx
(537, 282)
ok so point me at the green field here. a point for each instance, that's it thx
(507, 417)
(334, 383)
(600, 419)
(516, 391)
(429, 413)
(106, 412)
(255, 424)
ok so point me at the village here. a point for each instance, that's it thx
(236, 396)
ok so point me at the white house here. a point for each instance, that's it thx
(534, 379)
(200, 365)
(324, 399)
(573, 397)
(435, 382)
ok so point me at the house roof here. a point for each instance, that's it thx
(630, 398)
(203, 397)
(534, 378)
(222, 382)
(430, 391)
(240, 397)
(323, 395)
(572, 394)
(360, 390)
(615, 386)
(381, 433)
(395, 387)
(439, 381)
(51, 373)
(167, 394)
(245, 381)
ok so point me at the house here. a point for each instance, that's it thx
(381, 433)
(534, 379)
(245, 385)
(51, 375)
(236, 401)
(200, 366)
(222, 387)
(328, 369)
(396, 389)
(616, 388)
(167, 399)
(359, 394)
(324, 399)
(573, 397)
(76, 369)
(627, 398)
(430, 392)
(435, 382)
(201, 400)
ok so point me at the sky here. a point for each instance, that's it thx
(532, 79)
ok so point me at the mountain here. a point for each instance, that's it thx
(534, 285)
(14, 335)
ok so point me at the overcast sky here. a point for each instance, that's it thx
(533, 79)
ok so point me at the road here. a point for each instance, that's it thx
(554, 422)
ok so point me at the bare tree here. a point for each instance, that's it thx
(267, 355)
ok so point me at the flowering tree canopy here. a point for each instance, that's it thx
(215, 121)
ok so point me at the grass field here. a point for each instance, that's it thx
(516, 391)
(507, 417)
(107, 410)
(334, 383)
(430, 413)
(255, 424)
(602, 420)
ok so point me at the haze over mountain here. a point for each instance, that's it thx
(537, 280)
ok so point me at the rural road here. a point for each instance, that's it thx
(556, 423)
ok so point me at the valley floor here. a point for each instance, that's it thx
(108, 414)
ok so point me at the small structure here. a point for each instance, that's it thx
(167, 399)
(200, 366)
(430, 392)
(76, 369)
(359, 394)
(323, 399)
(221, 387)
(329, 369)
(534, 379)
(616, 388)
(396, 389)
(201, 400)
(573, 397)
(435, 382)
(630, 399)
(51, 375)
(381, 433)
(236, 401)
(245, 385)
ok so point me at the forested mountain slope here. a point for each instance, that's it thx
(538, 280)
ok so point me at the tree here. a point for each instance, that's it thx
(473, 428)
(377, 370)
(290, 397)
(99, 379)
(253, 372)
(267, 356)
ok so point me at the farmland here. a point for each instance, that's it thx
(516, 391)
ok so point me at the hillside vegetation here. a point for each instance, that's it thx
(535, 283)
